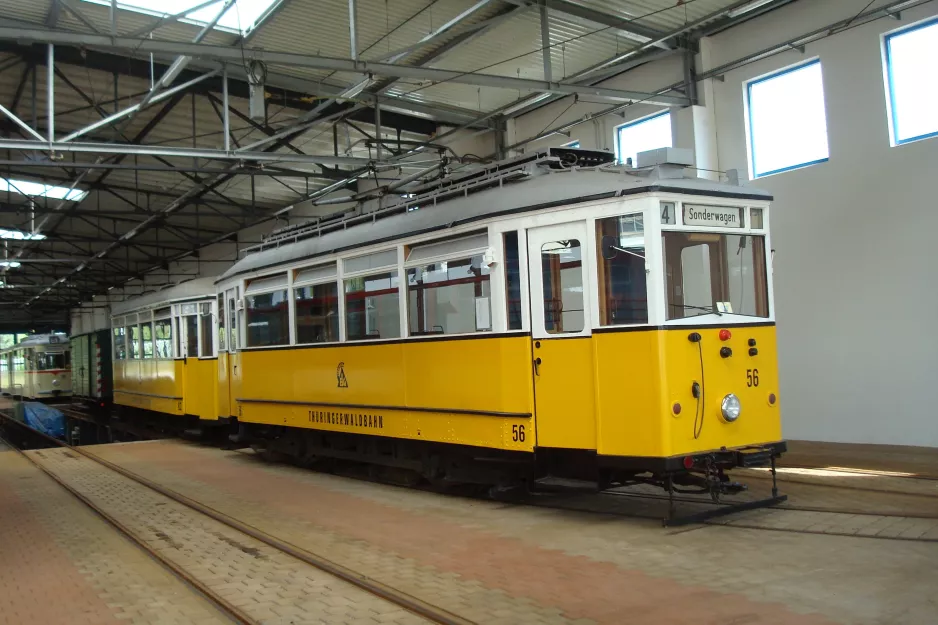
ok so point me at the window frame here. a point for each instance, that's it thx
(287, 288)
(600, 296)
(891, 119)
(294, 330)
(617, 137)
(747, 116)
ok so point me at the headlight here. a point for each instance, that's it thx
(55, 382)
(730, 408)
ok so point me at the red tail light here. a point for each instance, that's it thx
(725, 335)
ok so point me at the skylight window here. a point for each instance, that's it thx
(37, 189)
(910, 57)
(787, 120)
(240, 18)
(17, 235)
(650, 133)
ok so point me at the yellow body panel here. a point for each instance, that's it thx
(643, 374)
(199, 381)
(150, 384)
(222, 393)
(613, 392)
(468, 392)
(565, 392)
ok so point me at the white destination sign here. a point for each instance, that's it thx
(722, 216)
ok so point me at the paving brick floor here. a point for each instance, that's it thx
(61, 564)
(505, 563)
(267, 585)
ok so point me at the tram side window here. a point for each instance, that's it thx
(371, 307)
(192, 336)
(146, 330)
(205, 320)
(268, 319)
(513, 280)
(317, 313)
(562, 269)
(163, 330)
(449, 297)
(620, 247)
(120, 343)
(232, 321)
(135, 342)
(19, 362)
(221, 322)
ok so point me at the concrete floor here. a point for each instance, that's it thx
(851, 546)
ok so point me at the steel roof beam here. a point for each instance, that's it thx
(229, 54)
(178, 152)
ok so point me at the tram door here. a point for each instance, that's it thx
(562, 349)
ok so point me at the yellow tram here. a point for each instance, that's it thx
(164, 357)
(37, 367)
(549, 315)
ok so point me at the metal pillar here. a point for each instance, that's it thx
(545, 42)
(50, 95)
(380, 152)
(226, 115)
(352, 29)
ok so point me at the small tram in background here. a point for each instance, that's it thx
(38, 368)
(553, 315)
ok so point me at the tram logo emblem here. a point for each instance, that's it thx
(340, 375)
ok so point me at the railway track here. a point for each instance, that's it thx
(424, 611)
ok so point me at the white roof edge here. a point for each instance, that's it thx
(557, 187)
(193, 289)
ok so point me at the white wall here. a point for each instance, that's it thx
(855, 284)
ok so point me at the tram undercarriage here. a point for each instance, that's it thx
(502, 474)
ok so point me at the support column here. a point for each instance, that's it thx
(694, 127)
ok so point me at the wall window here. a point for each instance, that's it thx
(268, 319)
(163, 331)
(317, 313)
(562, 270)
(134, 342)
(911, 66)
(192, 336)
(120, 343)
(449, 297)
(371, 307)
(650, 133)
(571, 144)
(146, 331)
(513, 280)
(205, 321)
(787, 120)
(620, 247)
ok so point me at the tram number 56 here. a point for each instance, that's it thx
(517, 433)
(752, 377)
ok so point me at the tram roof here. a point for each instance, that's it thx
(549, 188)
(198, 288)
(38, 340)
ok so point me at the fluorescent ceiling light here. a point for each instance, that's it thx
(9, 263)
(37, 189)
(240, 18)
(752, 6)
(17, 235)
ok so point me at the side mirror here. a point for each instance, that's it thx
(608, 244)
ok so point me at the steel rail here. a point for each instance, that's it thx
(228, 609)
(363, 582)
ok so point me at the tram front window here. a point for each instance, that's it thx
(711, 273)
